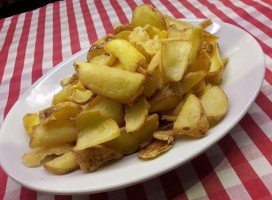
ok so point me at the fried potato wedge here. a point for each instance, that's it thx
(81, 96)
(114, 83)
(38, 156)
(201, 63)
(215, 74)
(152, 83)
(97, 48)
(178, 24)
(29, 121)
(92, 158)
(64, 110)
(69, 80)
(167, 98)
(108, 108)
(146, 14)
(129, 143)
(63, 164)
(55, 132)
(136, 115)
(215, 103)
(192, 119)
(94, 128)
(191, 79)
(175, 59)
(126, 53)
(154, 149)
(166, 135)
(104, 59)
(63, 95)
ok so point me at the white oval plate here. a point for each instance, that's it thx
(243, 78)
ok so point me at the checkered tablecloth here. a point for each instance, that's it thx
(237, 167)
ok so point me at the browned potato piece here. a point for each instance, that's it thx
(178, 24)
(215, 103)
(92, 158)
(63, 164)
(192, 119)
(146, 14)
(129, 143)
(122, 28)
(69, 80)
(94, 128)
(114, 83)
(166, 135)
(38, 156)
(136, 115)
(154, 149)
(29, 121)
(205, 23)
(214, 76)
(55, 132)
(64, 110)
(97, 48)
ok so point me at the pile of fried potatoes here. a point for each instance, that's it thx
(141, 87)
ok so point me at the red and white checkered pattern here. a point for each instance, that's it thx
(237, 167)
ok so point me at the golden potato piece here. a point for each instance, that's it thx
(154, 149)
(215, 74)
(92, 158)
(175, 59)
(38, 156)
(191, 79)
(201, 63)
(81, 96)
(55, 132)
(146, 14)
(97, 48)
(104, 59)
(114, 83)
(192, 119)
(108, 108)
(205, 23)
(64, 110)
(63, 164)
(215, 103)
(69, 80)
(152, 83)
(167, 98)
(154, 63)
(129, 143)
(63, 95)
(29, 121)
(94, 128)
(136, 115)
(126, 53)
(166, 135)
(140, 39)
(178, 24)
(122, 28)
